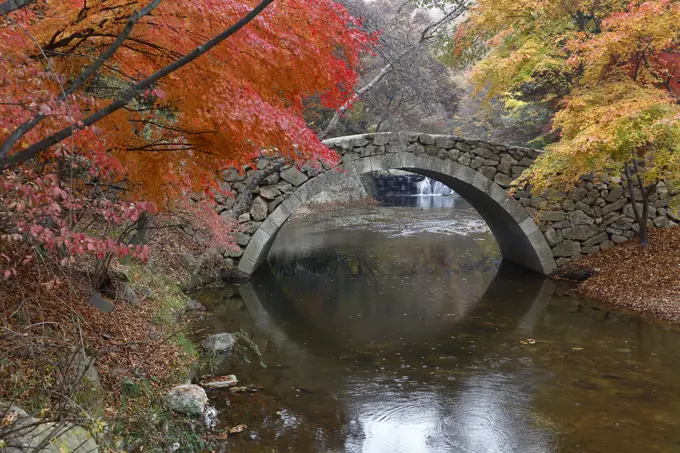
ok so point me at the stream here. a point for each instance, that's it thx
(398, 328)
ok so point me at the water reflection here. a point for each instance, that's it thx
(378, 341)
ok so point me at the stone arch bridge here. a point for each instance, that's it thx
(529, 230)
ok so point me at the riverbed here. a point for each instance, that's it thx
(398, 328)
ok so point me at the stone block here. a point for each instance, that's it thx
(408, 160)
(381, 139)
(279, 216)
(362, 166)
(269, 193)
(291, 203)
(536, 238)
(426, 139)
(246, 267)
(497, 193)
(294, 176)
(465, 174)
(269, 227)
(480, 181)
(378, 163)
(614, 194)
(528, 226)
(512, 207)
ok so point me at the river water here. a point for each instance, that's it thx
(398, 329)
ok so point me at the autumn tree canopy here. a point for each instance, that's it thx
(104, 102)
(610, 69)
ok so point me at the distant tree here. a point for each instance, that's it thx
(403, 86)
(611, 69)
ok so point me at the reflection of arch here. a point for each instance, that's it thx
(535, 293)
(518, 237)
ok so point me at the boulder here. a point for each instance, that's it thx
(258, 210)
(186, 399)
(606, 245)
(221, 342)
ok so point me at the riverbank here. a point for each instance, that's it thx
(643, 279)
(103, 364)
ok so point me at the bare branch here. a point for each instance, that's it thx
(35, 149)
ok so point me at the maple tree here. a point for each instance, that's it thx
(108, 102)
(610, 70)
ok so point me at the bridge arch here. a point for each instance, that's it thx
(465, 166)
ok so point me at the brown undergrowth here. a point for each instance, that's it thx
(641, 278)
(139, 349)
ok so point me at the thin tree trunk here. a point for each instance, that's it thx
(336, 118)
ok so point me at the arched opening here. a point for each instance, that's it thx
(518, 236)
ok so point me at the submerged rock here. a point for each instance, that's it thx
(221, 382)
(221, 342)
(186, 399)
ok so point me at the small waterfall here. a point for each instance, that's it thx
(430, 187)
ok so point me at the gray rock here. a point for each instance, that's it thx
(589, 250)
(614, 195)
(250, 227)
(426, 139)
(186, 399)
(128, 294)
(241, 238)
(577, 194)
(269, 193)
(284, 187)
(661, 222)
(275, 204)
(614, 206)
(188, 261)
(272, 179)
(232, 175)
(553, 216)
(221, 342)
(502, 180)
(489, 172)
(294, 176)
(582, 206)
(596, 240)
(243, 218)
(580, 218)
(445, 142)
(606, 245)
(552, 236)
(258, 210)
(619, 239)
(567, 249)
(193, 305)
(580, 232)
(233, 252)
(568, 205)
